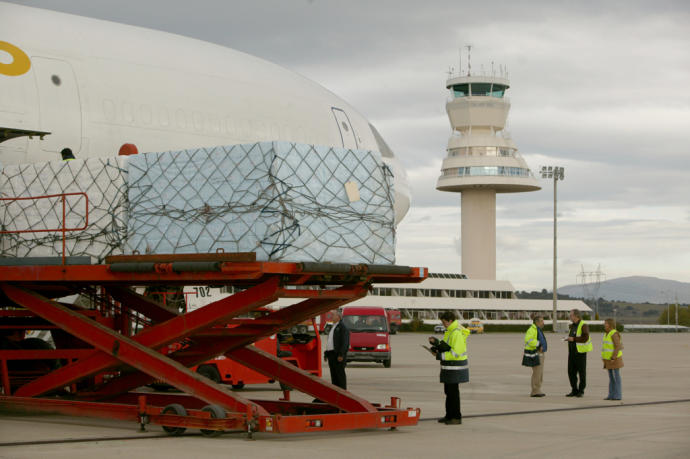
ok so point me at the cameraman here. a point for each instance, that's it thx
(452, 354)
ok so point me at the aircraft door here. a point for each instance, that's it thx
(347, 134)
(59, 105)
(18, 110)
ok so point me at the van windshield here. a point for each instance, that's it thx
(365, 323)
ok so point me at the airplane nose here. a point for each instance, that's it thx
(401, 188)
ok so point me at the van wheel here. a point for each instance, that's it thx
(387, 363)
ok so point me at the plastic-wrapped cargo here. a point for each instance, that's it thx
(103, 180)
(284, 201)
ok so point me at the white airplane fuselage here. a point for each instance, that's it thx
(95, 85)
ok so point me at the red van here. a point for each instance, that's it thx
(394, 320)
(369, 339)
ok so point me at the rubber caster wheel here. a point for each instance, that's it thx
(174, 408)
(217, 412)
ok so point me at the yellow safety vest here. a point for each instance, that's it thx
(608, 347)
(583, 347)
(531, 338)
(456, 341)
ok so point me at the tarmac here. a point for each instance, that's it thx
(500, 419)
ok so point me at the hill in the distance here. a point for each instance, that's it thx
(636, 289)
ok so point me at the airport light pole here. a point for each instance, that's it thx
(556, 173)
(615, 309)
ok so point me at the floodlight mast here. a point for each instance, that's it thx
(557, 173)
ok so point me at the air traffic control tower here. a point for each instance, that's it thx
(481, 162)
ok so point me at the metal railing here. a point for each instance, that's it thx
(63, 229)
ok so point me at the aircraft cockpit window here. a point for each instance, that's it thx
(384, 149)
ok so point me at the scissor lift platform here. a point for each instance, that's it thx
(104, 358)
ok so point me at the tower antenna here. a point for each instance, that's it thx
(460, 61)
(469, 59)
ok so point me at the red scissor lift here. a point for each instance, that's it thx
(107, 358)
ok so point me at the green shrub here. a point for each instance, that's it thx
(416, 325)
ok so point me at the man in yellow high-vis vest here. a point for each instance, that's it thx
(451, 352)
(533, 356)
(579, 345)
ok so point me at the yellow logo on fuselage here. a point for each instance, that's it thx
(20, 61)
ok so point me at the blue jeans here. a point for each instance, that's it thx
(615, 390)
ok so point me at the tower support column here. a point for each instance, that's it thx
(478, 233)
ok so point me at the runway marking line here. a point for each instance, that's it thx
(572, 408)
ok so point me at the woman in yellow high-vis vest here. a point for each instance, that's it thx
(612, 355)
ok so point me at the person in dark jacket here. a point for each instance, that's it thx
(579, 344)
(67, 154)
(337, 346)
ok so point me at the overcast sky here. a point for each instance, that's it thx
(600, 88)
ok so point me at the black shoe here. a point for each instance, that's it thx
(453, 421)
(572, 394)
(442, 420)
(538, 395)
(579, 394)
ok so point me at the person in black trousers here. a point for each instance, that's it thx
(578, 346)
(337, 346)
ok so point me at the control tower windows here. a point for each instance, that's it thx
(498, 90)
(481, 89)
(461, 90)
(479, 171)
(483, 151)
(478, 89)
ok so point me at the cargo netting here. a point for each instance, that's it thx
(103, 180)
(284, 201)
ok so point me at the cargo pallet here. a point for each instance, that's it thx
(105, 358)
